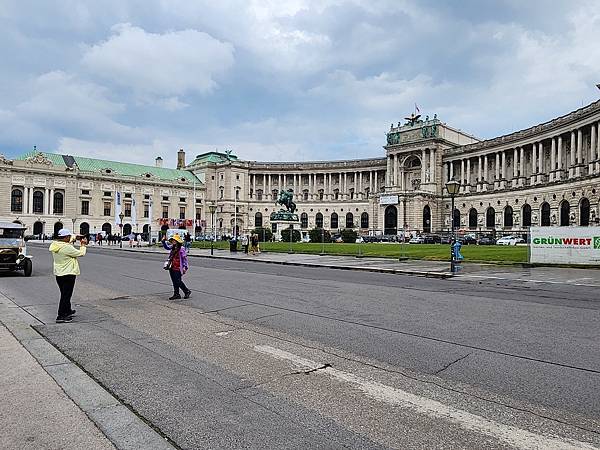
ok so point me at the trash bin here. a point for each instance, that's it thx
(233, 245)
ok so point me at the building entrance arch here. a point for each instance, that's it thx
(38, 228)
(390, 220)
(57, 227)
(565, 212)
(426, 219)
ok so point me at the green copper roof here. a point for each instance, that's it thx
(213, 157)
(101, 166)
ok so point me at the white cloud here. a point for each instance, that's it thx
(172, 63)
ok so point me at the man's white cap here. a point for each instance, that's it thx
(64, 232)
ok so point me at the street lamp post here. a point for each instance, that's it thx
(452, 187)
(73, 220)
(121, 215)
(235, 197)
(212, 208)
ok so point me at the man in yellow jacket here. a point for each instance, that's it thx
(66, 268)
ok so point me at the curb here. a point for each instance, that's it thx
(121, 426)
(419, 273)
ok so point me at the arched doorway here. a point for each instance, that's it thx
(426, 219)
(508, 217)
(456, 218)
(84, 229)
(57, 227)
(127, 229)
(565, 212)
(145, 229)
(584, 212)
(107, 227)
(38, 228)
(472, 218)
(526, 221)
(545, 212)
(490, 218)
(391, 220)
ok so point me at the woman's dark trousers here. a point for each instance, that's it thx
(177, 282)
(66, 284)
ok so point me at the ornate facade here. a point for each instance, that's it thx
(545, 175)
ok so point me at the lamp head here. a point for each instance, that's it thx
(453, 186)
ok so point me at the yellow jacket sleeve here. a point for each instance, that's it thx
(70, 250)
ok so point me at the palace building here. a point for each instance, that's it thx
(546, 175)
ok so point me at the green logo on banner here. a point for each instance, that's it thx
(597, 242)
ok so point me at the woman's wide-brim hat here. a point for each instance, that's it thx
(177, 238)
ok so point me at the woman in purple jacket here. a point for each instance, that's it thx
(177, 265)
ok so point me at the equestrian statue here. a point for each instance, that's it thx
(286, 199)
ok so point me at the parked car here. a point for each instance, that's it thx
(417, 240)
(468, 239)
(336, 238)
(13, 249)
(486, 240)
(510, 240)
(432, 239)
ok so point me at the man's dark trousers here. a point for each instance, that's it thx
(66, 284)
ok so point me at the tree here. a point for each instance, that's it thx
(349, 235)
(264, 234)
(319, 235)
(285, 235)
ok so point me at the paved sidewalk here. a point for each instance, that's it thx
(50, 403)
(35, 412)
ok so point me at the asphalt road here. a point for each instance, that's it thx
(291, 357)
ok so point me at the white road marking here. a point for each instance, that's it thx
(511, 435)
(569, 282)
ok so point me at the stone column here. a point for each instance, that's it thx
(504, 177)
(51, 202)
(451, 171)
(597, 157)
(552, 173)
(485, 173)
(497, 172)
(579, 155)
(468, 185)
(423, 167)
(360, 184)
(270, 191)
(45, 203)
(295, 185)
(30, 203)
(462, 175)
(521, 166)
(330, 186)
(479, 173)
(559, 155)
(572, 155)
(592, 157)
(515, 177)
(432, 165)
(371, 187)
(533, 163)
(389, 171)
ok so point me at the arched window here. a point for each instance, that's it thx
(107, 228)
(84, 228)
(490, 218)
(545, 210)
(304, 220)
(38, 202)
(258, 222)
(426, 219)
(364, 220)
(565, 211)
(472, 218)
(58, 203)
(334, 220)
(126, 229)
(319, 220)
(38, 228)
(456, 218)
(349, 220)
(57, 227)
(584, 212)
(508, 217)
(16, 201)
(526, 220)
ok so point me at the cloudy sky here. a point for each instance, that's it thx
(283, 80)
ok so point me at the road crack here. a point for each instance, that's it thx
(451, 363)
(309, 371)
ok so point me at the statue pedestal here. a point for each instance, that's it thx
(281, 225)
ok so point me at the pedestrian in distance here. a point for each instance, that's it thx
(188, 241)
(66, 269)
(138, 240)
(177, 265)
(254, 243)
